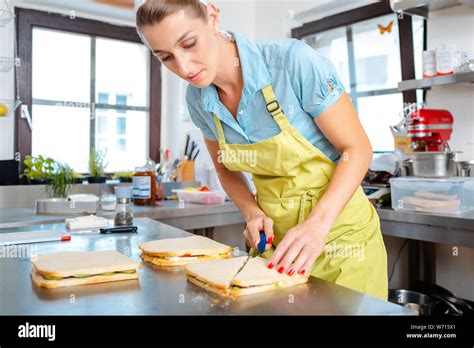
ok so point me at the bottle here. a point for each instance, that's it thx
(145, 184)
(123, 207)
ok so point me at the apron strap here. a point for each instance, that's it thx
(273, 107)
(220, 130)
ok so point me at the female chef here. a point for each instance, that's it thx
(278, 110)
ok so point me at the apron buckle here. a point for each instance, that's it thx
(271, 109)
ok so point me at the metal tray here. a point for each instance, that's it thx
(60, 206)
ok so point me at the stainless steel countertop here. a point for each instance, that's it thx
(464, 221)
(161, 292)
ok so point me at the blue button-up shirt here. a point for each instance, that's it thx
(300, 77)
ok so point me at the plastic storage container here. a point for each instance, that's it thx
(444, 195)
(203, 197)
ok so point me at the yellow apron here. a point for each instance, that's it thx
(290, 175)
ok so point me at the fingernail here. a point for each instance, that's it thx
(290, 272)
(281, 269)
(302, 272)
(270, 240)
(270, 265)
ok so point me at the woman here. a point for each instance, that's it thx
(279, 111)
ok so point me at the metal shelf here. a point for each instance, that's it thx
(428, 5)
(427, 83)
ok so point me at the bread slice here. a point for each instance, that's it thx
(237, 277)
(257, 273)
(51, 284)
(77, 263)
(215, 273)
(192, 246)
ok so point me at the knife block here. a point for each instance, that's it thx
(187, 171)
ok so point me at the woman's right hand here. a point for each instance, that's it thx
(254, 225)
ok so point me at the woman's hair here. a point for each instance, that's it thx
(153, 11)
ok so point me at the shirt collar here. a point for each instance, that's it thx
(254, 72)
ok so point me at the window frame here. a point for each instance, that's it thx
(348, 18)
(26, 20)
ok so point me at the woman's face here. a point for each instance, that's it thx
(185, 45)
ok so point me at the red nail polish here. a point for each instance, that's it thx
(290, 272)
(270, 265)
(302, 272)
(270, 240)
(281, 269)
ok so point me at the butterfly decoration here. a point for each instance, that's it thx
(387, 29)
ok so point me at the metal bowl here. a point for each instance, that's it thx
(420, 303)
(433, 164)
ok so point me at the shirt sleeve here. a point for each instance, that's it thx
(197, 114)
(310, 74)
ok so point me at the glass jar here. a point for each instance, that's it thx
(145, 184)
(123, 207)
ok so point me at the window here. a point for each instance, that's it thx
(89, 87)
(62, 86)
(366, 53)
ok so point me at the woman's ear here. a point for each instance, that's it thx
(213, 16)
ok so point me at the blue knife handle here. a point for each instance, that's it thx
(263, 243)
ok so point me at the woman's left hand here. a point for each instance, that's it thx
(299, 249)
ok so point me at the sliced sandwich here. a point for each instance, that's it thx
(82, 267)
(182, 251)
(238, 277)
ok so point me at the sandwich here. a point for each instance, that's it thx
(239, 276)
(182, 251)
(82, 267)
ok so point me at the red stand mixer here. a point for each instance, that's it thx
(430, 127)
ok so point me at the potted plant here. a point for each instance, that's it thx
(96, 167)
(124, 176)
(78, 177)
(38, 170)
(61, 181)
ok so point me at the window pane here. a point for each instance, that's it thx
(122, 72)
(101, 124)
(61, 66)
(103, 98)
(124, 140)
(52, 134)
(121, 124)
(376, 114)
(121, 145)
(332, 44)
(377, 53)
